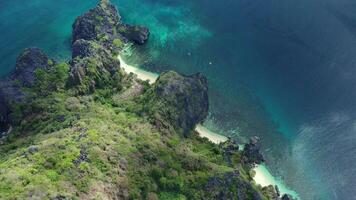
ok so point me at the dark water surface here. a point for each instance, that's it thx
(282, 70)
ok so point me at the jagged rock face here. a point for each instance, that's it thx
(136, 34)
(230, 186)
(97, 37)
(251, 153)
(182, 100)
(24, 75)
(103, 24)
(286, 197)
(84, 48)
(92, 66)
(99, 21)
(27, 63)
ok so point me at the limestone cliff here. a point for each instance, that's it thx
(84, 131)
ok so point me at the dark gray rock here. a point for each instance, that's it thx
(287, 197)
(230, 186)
(61, 197)
(27, 63)
(181, 100)
(61, 118)
(93, 66)
(137, 34)
(229, 148)
(100, 21)
(278, 193)
(32, 150)
(103, 25)
(83, 157)
(251, 153)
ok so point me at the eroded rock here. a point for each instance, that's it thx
(92, 66)
(181, 100)
(137, 34)
(27, 63)
(230, 186)
(100, 21)
(11, 91)
(251, 153)
(103, 24)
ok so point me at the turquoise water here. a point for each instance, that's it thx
(282, 70)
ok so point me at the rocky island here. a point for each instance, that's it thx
(86, 129)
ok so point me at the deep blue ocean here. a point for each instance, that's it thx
(282, 70)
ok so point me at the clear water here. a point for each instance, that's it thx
(282, 70)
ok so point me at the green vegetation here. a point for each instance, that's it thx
(94, 147)
(118, 43)
(90, 131)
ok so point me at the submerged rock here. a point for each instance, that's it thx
(181, 100)
(251, 153)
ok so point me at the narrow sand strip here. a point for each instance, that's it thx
(141, 74)
(213, 137)
(263, 177)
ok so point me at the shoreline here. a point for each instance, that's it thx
(140, 73)
(206, 133)
(262, 177)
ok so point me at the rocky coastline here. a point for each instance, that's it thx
(93, 79)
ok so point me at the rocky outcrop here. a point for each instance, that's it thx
(103, 24)
(99, 21)
(97, 37)
(251, 153)
(181, 100)
(230, 186)
(93, 66)
(287, 197)
(27, 63)
(229, 148)
(136, 34)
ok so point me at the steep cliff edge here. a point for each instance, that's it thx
(87, 130)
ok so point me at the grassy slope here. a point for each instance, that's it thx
(95, 147)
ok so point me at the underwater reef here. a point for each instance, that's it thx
(85, 129)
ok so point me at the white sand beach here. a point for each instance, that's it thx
(141, 74)
(263, 177)
(213, 137)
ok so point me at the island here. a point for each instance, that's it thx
(92, 128)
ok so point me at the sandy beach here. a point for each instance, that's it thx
(263, 177)
(141, 74)
(213, 137)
